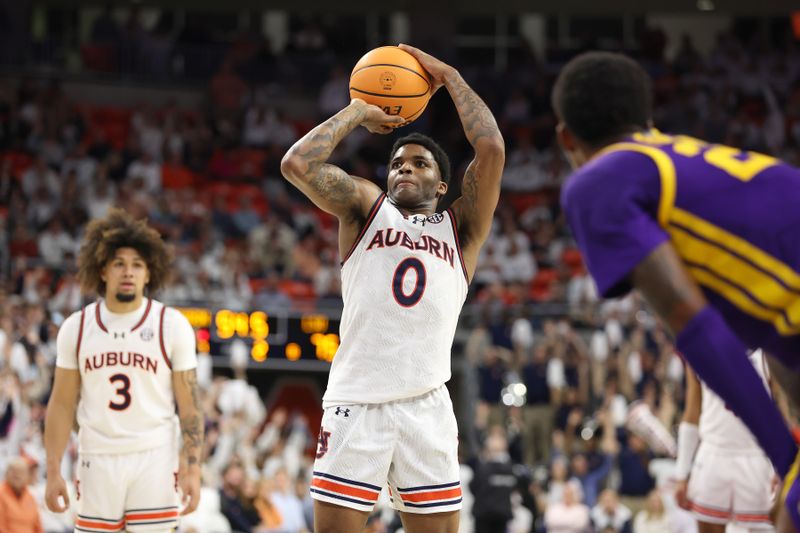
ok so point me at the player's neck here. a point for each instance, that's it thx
(425, 209)
(115, 306)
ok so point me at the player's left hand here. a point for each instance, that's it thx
(189, 482)
(438, 70)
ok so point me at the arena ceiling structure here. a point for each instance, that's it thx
(582, 7)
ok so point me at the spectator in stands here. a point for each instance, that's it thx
(492, 485)
(19, 512)
(653, 518)
(333, 94)
(233, 501)
(288, 504)
(270, 517)
(55, 244)
(610, 513)
(568, 516)
(148, 170)
(227, 91)
(542, 388)
(634, 462)
(491, 376)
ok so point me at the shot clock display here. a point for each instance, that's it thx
(271, 336)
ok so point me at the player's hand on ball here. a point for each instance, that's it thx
(55, 491)
(189, 481)
(376, 120)
(438, 70)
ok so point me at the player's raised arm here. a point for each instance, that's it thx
(714, 351)
(480, 188)
(328, 186)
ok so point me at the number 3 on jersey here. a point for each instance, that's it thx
(411, 299)
(123, 383)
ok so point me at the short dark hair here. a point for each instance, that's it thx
(120, 230)
(439, 155)
(602, 95)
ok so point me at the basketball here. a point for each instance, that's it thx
(393, 80)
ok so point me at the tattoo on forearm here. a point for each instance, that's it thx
(476, 117)
(316, 147)
(192, 428)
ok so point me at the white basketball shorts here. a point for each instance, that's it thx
(128, 492)
(731, 486)
(410, 445)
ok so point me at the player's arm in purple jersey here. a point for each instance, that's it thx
(480, 187)
(332, 189)
(612, 210)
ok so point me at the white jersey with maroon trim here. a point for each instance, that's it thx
(719, 426)
(403, 285)
(126, 361)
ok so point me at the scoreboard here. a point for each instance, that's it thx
(278, 338)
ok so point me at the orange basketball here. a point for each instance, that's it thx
(393, 80)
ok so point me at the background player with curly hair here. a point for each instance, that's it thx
(124, 362)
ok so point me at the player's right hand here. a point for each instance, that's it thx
(681, 496)
(376, 120)
(55, 490)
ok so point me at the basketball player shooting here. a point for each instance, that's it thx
(124, 362)
(387, 414)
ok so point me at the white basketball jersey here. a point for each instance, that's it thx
(403, 285)
(719, 426)
(127, 403)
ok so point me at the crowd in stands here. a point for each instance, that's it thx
(550, 391)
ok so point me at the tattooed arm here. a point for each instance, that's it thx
(192, 428)
(328, 186)
(480, 187)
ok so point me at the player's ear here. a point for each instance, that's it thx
(565, 138)
(441, 189)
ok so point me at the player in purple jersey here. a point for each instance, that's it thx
(709, 234)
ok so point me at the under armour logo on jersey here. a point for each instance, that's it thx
(119, 334)
(418, 219)
(85, 464)
(340, 411)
